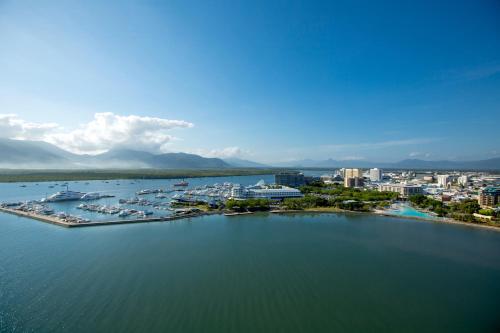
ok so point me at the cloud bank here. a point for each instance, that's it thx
(228, 152)
(107, 130)
(13, 127)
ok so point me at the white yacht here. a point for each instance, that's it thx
(64, 196)
(91, 196)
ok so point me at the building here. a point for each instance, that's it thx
(351, 173)
(444, 180)
(404, 190)
(354, 182)
(275, 192)
(463, 180)
(489, 196)
(428, 179)
(290, 178)
(375, 175)
(353, 178)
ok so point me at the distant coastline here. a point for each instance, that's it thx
(35, 175)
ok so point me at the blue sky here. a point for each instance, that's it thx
(267, 81)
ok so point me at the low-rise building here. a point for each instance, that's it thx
(404, 190)
(272, 192)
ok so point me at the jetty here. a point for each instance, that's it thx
(61, 222)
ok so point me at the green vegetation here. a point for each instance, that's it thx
(423, 202)
(344, 193)
(489, 212)
(10, 175)
(319, 195)
(340, 193)
(313, 202)
(251, 205)
(461, 211)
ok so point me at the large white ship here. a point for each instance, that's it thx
(64, 196)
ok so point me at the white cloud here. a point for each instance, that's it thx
(13, 127)
(351, 158)
(419, 154)
(381, 144)
(105, 131)
(228, 152)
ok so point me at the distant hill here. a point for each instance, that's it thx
(32, 154)
(489, 164)
(23, 154)
(38, 155)
(241, 163)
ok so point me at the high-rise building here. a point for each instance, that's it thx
(463, 180)
(489, 196)
(290, 178)
(354, 182)
(375, 175)
(353, 178)
(351, 173)
(444, 180)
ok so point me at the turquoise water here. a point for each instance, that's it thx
(257, 273)
(406, 210)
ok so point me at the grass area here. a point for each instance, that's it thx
(10, 175)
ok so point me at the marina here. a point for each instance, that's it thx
(96, 203)
(69, 223)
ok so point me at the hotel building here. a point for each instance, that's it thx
(404, 190)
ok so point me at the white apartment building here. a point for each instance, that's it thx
(444, 180)
(375, 175)
(463, 180)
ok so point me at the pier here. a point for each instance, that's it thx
(62, 223)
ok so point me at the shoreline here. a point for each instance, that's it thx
(382, 213)
(57, 221)
(38, 176)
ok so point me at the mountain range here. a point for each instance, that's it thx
(24, 154)
(487, 164)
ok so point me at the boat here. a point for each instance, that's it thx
(182, 183)
(64, 196)
(91, 196)
(124, 213)
(149, 191)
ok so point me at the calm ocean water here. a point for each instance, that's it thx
(259, 273)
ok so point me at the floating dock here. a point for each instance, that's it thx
(57, 221)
